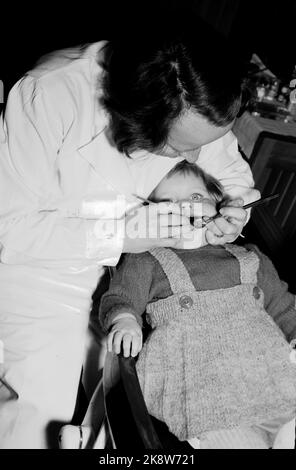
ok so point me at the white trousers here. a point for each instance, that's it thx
(44, 317)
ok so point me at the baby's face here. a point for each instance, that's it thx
(188, 187)
(181, 187)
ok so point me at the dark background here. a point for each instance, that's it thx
(265, 27)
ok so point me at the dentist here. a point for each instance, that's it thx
(82, 133)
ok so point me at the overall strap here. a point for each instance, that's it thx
(174, 269)
(248, 262)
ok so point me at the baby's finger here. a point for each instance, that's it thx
(117, 340)
(126, 342)
(136, 345)
(110, 341)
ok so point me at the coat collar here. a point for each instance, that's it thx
(109, 163)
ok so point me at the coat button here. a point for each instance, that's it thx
(185, 301)
(256, 293)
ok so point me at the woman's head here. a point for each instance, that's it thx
(153, 83)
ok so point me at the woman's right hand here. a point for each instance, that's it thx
(159, 225)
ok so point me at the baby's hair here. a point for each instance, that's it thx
(213, 186)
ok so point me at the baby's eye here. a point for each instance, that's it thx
(196, 197)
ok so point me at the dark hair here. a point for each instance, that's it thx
(213, 186)
(150, 81)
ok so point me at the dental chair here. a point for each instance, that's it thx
(116, 417)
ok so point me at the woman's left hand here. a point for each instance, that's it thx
(227, 228)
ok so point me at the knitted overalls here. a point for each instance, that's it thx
(215, 359)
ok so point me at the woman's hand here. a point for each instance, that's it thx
(168, 225)
(125, 335)
(227, 228)
(155, 225)
(198, 212)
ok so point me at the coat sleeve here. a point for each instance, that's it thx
(129, 290)
(278, 301)
(32, 131)
(223, 160)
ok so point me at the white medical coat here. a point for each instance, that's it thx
(59, 174)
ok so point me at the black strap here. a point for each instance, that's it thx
(136, 400)
(126, 415)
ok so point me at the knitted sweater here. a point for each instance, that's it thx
(140, 280)
(216, 359)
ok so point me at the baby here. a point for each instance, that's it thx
(216, 366)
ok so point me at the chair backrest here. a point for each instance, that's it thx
(274, 170)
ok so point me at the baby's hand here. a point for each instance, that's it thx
(125, 332)
(227, 228)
